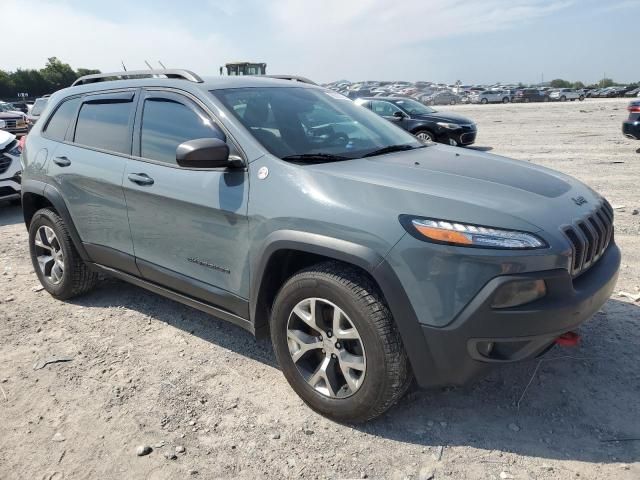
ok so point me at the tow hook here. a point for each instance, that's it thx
(569, 339)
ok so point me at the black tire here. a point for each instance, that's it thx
(484, 101)
(388, 374)
(505, 100)
(563, 98)
(581, 98)
(424, 133)
(77, 278)
(526, 100)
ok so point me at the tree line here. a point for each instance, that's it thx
(604, 83)
(54, 76)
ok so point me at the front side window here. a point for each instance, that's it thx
(105, 125)
(57, 126)
(167, 123)
(385, 109)
(413, 107)
(294, 122)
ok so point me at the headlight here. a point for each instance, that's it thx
(466, 235)
(450, 126)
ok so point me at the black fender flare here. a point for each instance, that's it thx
(53, 196)
(368, 260)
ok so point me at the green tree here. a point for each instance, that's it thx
(605, 82)
(560, 83)
(29, 81)
(81, 72)
(57, 74)
(578, 85)
(6, 85)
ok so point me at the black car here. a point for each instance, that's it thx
(426, 123)
(527, 95)
(631, 127)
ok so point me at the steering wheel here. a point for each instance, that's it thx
(337, 138)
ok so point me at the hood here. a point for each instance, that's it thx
(445, 117)
(463, 185)
(11, 115)
(5, 139)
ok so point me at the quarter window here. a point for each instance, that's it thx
(105, 125)
(166, 124)
(59, 123)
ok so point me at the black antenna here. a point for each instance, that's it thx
(161, 64)
(123, 67)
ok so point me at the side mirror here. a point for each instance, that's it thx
(398, 114)
(203, 153)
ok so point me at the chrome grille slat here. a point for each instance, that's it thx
(590, 237)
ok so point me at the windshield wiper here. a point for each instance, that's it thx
(391, 149)
(323, 157)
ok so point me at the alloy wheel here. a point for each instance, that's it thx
(424, 137)
(49, 254)
(326, 348)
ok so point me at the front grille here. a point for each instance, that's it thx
(589, 237)
(467, 138)
(4, 163)
(11, 123)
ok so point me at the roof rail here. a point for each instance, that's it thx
(167, 73)
(293, 78)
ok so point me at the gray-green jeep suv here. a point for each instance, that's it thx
(370, 258)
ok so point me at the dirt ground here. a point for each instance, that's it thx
(143, 370)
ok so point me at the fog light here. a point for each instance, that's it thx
(518, 293)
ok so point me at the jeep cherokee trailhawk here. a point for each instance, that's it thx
(370, 257)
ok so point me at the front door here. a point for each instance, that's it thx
(189, 226)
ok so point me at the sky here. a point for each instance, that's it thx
(474, 41)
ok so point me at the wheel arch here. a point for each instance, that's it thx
(290, 252)
(37, 195)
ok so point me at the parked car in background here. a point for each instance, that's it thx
(633, 92)
(20, 106)
(527, 95)
(10, 179)
(443, 97)
(491, 96)
(631, 126)
(15, 122)
(564, 94)
(425, 123)
(37, 109)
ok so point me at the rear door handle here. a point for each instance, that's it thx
(62, 161)
(140, 178)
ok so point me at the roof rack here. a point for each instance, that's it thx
(166, 73)
(293, 78)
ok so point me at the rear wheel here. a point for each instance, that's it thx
(58, 266)
(484, 101)
(336, 342)
(505, 100)
(581, 97)
(452, 102)
(563, 98)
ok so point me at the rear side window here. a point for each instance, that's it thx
(167, 123)
(57, 127)
(105, 125)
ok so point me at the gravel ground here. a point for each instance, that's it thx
(137, 370)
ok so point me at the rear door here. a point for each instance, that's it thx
(87, 168)
(189, 226)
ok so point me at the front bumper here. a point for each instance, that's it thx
(460, 137)
(457, 351)
(631, 130)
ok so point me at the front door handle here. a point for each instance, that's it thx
(140, 178)
(62, 161)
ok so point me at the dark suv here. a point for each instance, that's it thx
(527, 95)
(369, 257)
(426, 123)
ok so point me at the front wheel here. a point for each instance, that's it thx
(484, 101)
(563, 98)
(581, 97)
(505, 100)
(425, 136)
(337, 344)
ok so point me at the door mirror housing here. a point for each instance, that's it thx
(203, 153)
(399, 115)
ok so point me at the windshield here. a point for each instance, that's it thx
(310, 122)
(5, 107)
(413, 107)
(38, 107)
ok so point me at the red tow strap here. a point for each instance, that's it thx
(569, 339)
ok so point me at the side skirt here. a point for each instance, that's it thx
(178, 297)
